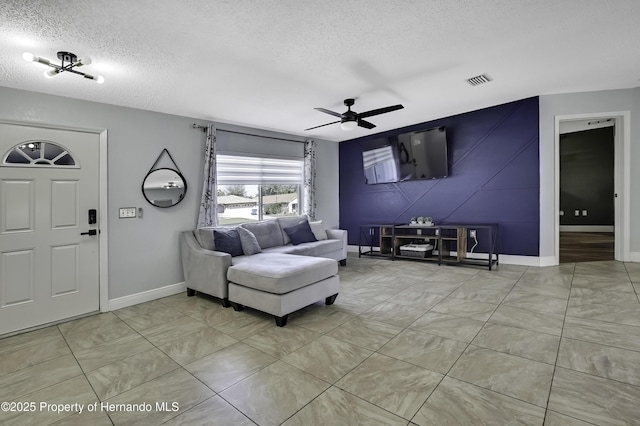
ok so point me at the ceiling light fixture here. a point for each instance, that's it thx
(349, 125)
(69, 62)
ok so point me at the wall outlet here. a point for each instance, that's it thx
(576, 212)
(127, 212)
(584, 212)
(472, 233)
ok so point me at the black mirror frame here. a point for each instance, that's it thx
(176, 170)
(184, 181)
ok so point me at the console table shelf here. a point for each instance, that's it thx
(449, 241)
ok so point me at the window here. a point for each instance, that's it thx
(39, 153)
(255, 188)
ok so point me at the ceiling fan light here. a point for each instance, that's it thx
(99, 79)
(28, 56)
(349, 125)
(84, 61)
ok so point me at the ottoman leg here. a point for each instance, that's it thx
(282, 321)
(329, 300)
(191, 292)
(225, 303)
(343, 262)
(237, 307)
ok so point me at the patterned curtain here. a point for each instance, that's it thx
(309, 190)
(208, 205)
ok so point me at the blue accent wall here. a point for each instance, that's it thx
(493, 178)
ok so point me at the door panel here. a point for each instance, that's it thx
(64, 204)
(48, 270)
(17, 205)
(18, 273)
(64, 270)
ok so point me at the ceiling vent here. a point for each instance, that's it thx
(479, 79)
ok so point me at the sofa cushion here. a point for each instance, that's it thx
(300, 233)
(318, 230)
(287, 249)
(281, 273)
(228, 241)
(318, 248)
(267, 233)
(249, 242)
(288, 221)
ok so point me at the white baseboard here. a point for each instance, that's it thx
(586, 228)
(146, 296)
(548, 261)
(509, 259)
(634, 256)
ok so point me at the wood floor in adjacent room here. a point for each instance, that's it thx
(586, 246)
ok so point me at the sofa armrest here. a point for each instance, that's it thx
(339, 234)
(204, 270)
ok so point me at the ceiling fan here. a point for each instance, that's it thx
(350, 119)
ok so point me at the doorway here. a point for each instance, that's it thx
(587, 211)
(619, 198)
(49, 225)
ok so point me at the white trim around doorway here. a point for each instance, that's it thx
(622, 179)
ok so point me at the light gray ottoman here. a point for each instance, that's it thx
(280, 284)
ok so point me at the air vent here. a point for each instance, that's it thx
(479, 79)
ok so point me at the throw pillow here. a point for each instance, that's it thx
(228, 241)
(249, 242)
(318, 230)
(300, 233)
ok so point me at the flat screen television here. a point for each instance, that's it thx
(408, 156)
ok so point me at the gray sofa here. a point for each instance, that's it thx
(205, 269)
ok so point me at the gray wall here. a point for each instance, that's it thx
(144, 253)
(584, 103)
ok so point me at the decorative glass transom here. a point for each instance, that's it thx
(39, 154)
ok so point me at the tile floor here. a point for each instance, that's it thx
(407, 343)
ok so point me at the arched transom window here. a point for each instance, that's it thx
(39, 154)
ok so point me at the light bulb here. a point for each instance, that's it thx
(97, 78)
(28, 56)
(349, 125)
(84, 61)
(50, 73)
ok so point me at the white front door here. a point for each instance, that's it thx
(49, 180)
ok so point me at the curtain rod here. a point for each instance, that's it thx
(204, 128)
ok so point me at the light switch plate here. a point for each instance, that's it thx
(127, 212)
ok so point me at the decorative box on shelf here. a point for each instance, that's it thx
(416, 250)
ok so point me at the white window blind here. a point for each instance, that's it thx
(238, 170)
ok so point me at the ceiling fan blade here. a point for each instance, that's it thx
(365, 124)
(326, 111)
(379, 111)
(322, 125)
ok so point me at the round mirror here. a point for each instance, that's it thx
(164, 187)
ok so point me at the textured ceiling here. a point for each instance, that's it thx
(268, 63)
